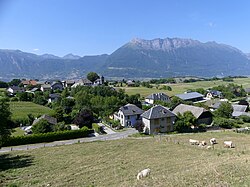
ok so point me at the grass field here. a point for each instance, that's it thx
(22, 109)
(116, 163)
(182, 87)
(17, 132)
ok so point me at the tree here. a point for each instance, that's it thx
(5, 115)
(24, 96)
(84, 118)
(59, 114)
(30, 118)
(41, 126)
(92, 76)
(3, 84)
(185, 122)
(139, 126)
(15, 82)
(61, 127)
(224, 111)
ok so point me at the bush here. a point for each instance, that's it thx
(47, 137)
(245, 118)
(14, 99)
(225, 123)
(96, 127)
(18, 121)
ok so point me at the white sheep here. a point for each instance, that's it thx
(228, 144)
(193, 142)
(209, 147)
(213, 141)
(143, 173)
(203, 143)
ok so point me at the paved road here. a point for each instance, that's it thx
(113, 136)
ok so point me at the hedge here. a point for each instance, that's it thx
(47, 137)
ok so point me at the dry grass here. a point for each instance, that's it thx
(116, 163)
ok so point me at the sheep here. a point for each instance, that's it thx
(203, 143)
(143, 173)
(193, 142)
(213, 141)
(228, 144)
(209, 147)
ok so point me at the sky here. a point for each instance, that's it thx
(90, 27)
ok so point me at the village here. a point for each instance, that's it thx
(104, 106)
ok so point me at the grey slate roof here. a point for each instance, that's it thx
(196, 111)
(34, 89)
(190, 95)
(157, 96)
(85, 81)
(216, 105)
(70, 82)
(50, 119)
(54, 96)
(17, 88)
(46, 86)
(215, 92)
(131, 109)
(157, 112)
(56, 83)
(239, 108)
(237, 114)
(247, 90)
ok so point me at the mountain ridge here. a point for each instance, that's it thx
(138, 58)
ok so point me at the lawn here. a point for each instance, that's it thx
(182, 87)
(17, 132)
(116, 163)
(22, 109)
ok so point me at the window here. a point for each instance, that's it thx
(157, 121)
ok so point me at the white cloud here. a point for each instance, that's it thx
(35, 49)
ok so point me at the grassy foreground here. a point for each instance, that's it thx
(116, 163)
(22, 109)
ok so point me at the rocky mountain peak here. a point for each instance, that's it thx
(163, 44)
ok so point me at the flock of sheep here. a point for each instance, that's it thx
(227, 144)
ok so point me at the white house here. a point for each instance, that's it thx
(128, 115)
(82, 82)
(45, 87)
(157, 97)
(158, 119)
(15, 89)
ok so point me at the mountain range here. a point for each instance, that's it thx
(138, 58)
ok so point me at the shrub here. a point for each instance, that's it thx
(47, 137)
(14, 99)
(42, 126)
(245, 118)
(225, 123)
(96, 127)
(20, 121)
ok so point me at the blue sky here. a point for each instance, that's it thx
(87, 27)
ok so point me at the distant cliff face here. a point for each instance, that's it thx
(162, 44)
(138, 58)
(175, 57)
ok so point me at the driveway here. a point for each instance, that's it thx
(106, 129)
(112, 136)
